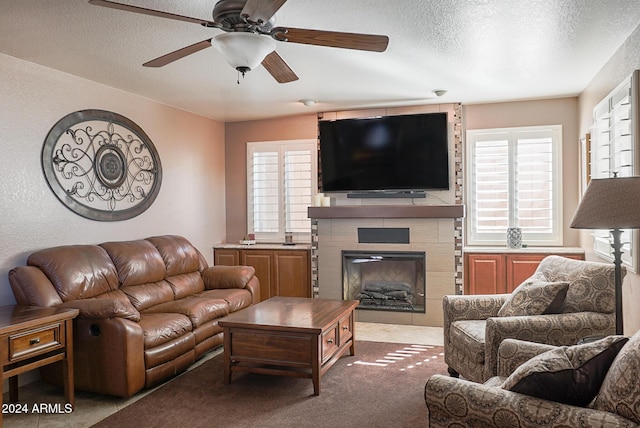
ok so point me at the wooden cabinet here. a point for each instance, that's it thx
(285, 272)
(484, 274)
(501, 272)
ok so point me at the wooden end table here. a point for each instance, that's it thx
(289, 336)
(32, 337)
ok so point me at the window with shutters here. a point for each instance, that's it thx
(281, 180)
(514, 180)
(613, 152)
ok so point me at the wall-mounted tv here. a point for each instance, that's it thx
(390, 153)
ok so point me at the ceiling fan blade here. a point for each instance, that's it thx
(176, 55)
(279, 69)
(334, 39)
(261, 11)
(144, 11)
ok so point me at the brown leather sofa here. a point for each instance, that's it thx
(148, 308)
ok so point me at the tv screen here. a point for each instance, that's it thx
(408, 152)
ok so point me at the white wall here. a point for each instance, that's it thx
(191, 201)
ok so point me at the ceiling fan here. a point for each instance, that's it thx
(249, 36)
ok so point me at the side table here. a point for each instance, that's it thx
(32, 337)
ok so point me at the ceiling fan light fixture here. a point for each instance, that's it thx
(243, 51)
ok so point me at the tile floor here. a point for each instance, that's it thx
(92, 408)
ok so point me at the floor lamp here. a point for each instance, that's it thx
(611, 203)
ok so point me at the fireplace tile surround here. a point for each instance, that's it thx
(436, 236)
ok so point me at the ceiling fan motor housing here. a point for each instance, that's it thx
(228, 13)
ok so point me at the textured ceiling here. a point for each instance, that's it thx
(478, 50)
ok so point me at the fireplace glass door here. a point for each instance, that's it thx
(387, 281)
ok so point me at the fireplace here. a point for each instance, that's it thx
(385, 281)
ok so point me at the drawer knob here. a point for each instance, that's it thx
(34, 341)
(329, 340)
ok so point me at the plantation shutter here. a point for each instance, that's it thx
(281, 179)
(514, 181)
(491, 185)
(613, 152)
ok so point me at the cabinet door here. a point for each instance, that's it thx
(520, 267)
(292, 274)
(226, 257)
(484, 274)
(262, 261)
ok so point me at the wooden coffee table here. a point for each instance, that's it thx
(289, 336)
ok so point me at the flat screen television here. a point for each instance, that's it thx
(390, 153)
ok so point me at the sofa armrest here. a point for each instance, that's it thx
(233, 277)
(227, 276)
(552, 329)
(470, 307)
(454, 402)
(512, 353)
(103, 309)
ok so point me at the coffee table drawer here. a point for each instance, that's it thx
(344, 329)
(329, 343)
(271, 348)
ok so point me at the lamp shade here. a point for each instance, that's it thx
(243, 50)
(609, 203)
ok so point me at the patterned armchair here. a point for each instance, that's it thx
(473, 329)
(454, 403)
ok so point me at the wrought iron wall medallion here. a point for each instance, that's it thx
(101, 165)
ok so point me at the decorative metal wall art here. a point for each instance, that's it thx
(101, 165)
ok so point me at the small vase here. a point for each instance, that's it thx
(514, 237)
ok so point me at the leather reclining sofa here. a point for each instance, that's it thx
(148, 308)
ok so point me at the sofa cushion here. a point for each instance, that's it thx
(179, 255)
(146, 295)
(236, 298)
(469, 335)
(620, 390)
(186, 284)
(103, 308)
(535, 296)
(77, 271)
(159, 328)
(198, 309)
(567, 374)
(137, 262)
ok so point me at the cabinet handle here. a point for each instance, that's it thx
(345, 327)
(329, 340)
(34, 341)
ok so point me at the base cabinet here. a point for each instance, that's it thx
(497, 273)
(281, 272)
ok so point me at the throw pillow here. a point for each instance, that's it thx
(567, 374)
(535, 296)
(620, 389)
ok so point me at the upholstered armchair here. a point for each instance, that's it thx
(564, 301)
(592, 385)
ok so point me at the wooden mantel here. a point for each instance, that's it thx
(387, 211)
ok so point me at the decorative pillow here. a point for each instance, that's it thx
(567, 374)
(535, 296)
(620, 391)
